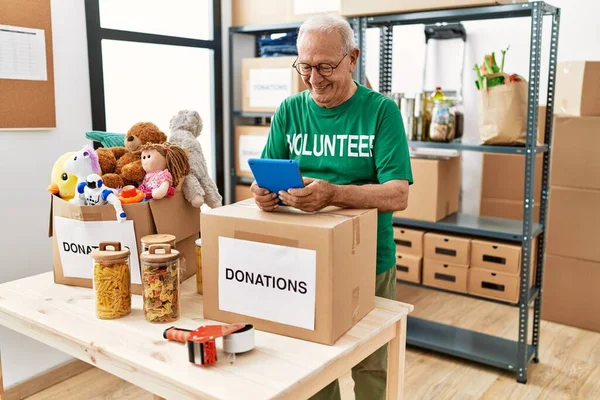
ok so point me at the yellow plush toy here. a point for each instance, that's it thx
(61, 183)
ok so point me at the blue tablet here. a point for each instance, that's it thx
(276, 175)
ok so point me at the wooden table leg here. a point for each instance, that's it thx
(1, 383)
(396, 358)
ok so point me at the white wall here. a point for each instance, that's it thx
(579, 39)
(25, 246)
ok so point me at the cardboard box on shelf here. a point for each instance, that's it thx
(498, 256)
(242, 192)
(260, 12)
(503, 177)
(574, 223)
(408, 267)
(77, 230)
(308, 276)
(352, 8)
(249, 143)
(576, 92)
(445, 276)
(267, 81)
(436, 191)
(455, 250)
(571, 295)
(508, 209)
(408, 241)
(494, 284)
(576, 152)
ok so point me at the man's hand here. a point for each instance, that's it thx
(264, 199)
(315, 195)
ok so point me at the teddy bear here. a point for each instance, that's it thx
(127, 160)
(198, 187)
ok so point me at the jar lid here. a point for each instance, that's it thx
(159, 253)
(101, 254)
(158, 238)
(199, 242)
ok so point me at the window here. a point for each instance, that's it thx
(148, 59)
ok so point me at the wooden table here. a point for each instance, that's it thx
(280, 367)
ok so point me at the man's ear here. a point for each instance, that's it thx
(354, 54)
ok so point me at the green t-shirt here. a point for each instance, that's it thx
(361, 141)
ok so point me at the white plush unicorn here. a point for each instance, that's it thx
(81, 164)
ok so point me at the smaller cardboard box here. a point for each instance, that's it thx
(496, 256)
(448, 249)
(445, 276)
(508, 209)
(242, 192)
(306, 275)
(494, 285)
(577, 84)
(436, 191)
(261, 12)
(408, 267)
(249, 143)
(267, 81)
(576, 152)
(408, 241)
(510, 170)
(353, 8)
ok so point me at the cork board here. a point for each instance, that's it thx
(28, 104)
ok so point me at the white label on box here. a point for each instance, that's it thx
(250, 146)
(315, 6)
(77, 239)
(267, 281)
(269, 86)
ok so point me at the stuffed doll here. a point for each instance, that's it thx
(198, 188)
(81, 164)
(165, 166)
(62, 184)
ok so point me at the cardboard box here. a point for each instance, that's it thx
(576, 152)
(496, 256)
(508, 209)
(409, 241)
(408, 267)
(249, 143)
(79, 230)
(503, 177)
(574, 223)
(571, 294)
(445, 276)
(494, 285)
(242, 192)
(323, 265)
(260, 12)
(267, 81)
(577, 84)
(448, 249)
(352, 8)
(436, 191)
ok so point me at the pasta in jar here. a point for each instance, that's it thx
(112, 281)
(160, 283)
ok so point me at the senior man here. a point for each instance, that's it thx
(352, 149)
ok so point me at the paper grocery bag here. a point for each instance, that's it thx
(503, 114)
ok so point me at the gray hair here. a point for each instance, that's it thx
(327, 23)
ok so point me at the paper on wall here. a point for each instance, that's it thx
(269, 86)
(271, 282)
(250, 146)
(22, 53)
(316, 6)
(76, 240)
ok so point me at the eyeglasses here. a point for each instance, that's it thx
(324, 69)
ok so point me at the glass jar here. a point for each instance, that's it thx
(160, 283)
(443, 121)
(199, 265)
(111, 281)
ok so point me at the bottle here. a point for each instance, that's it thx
(443, 121)
(160, 283)
(112, 281)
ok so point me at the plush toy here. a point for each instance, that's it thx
(128, 165)
(165, 166)
(62, 184)
(198, 188)
(81, 164)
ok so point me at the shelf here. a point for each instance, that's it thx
(469, 345)
(490, 227)
(244, 180)
(457, 15)
(253, 114)
(270, 28)
(533, 293)
(475, 147)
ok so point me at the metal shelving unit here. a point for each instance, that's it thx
(510, 355)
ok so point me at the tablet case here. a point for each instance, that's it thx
(276, 175)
